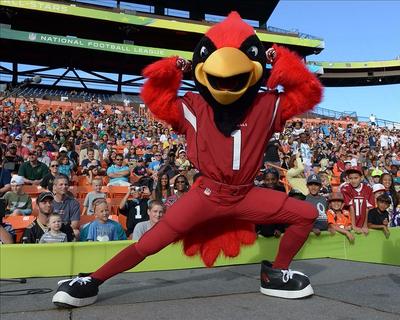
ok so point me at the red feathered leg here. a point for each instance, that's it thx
(160, 91)
(302, 89)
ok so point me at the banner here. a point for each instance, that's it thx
(91, 44)
(167, 23)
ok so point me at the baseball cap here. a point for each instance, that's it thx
(18, 137)
(378, 187)
(181, 151)
(63, 149)
(354, 169)
(17, 180)
(44, 195)
(314, 179)
(376, 173)
(336, 196)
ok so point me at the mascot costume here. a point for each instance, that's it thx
(227, 125)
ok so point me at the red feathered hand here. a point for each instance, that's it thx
(160, 91)
(220, 236)
(303, 91)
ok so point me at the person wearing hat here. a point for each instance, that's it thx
(33, 171)
(378, 218)
(378, 189)
(376, 175)
(17, 201)
(36, 230)
(314, 185)
(359, 198)
(338, 218)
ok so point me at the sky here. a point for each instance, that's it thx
(352, 31)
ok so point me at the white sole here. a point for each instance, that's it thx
(64, 299)
(286, 294)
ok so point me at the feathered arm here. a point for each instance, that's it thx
(160, 91)
(302, 89)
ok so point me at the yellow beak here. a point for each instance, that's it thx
(228, 73)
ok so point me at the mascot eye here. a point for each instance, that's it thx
(203, 52)
(253, 51)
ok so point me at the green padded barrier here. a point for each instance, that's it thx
(46, 260)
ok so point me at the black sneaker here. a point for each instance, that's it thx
(284, 283)
(78, 292)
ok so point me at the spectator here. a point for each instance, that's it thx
(155, 212)
(314, 186)
(17, 201)
(36, 230)
(33, 171)
(102, 229)
(54, 233)
(271, 180)
(378, 218)
(89, 160)
(7, 234)
(92, 196)
(359, 198)
(377, 190)
(135, 209)
(163, 189)
(295, 174)
(47, 182)
(64, 166)
(181, 186)
(118, 173)
(42, 155)
(376, 176)
(65, 205)
(339, 219)
(12, 161)
(305, 152)
(155, 164)
(387, 180)
(5, 177)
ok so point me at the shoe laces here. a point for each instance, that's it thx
(288, 274)
(80, 280)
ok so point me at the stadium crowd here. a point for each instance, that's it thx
(100, 173)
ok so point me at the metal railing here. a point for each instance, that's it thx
(382, 123)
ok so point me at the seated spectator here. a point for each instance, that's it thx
(338, 218)
(182, 161)
(135, 209)
(17, 201)
(97, 184)
(140, 170)
(181, 186)
(12, 161)
(155, 164)
(54, 234)
(378, 218)
(47, 182)
(271, 180)
(295, 174)
(376, 176)
(5, 177)
(118, 173)
(314, 186)
(102, 229)
(343, 175)
(65, 204)
(163, 189)
(33, 171)
(388, 182)
(155, 212)
(7, 234)
(36, 230)
(42, 155)
(89, 160)
(377, 190)
(64, 166)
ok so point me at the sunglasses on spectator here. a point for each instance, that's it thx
(119, 159)
(54, 165)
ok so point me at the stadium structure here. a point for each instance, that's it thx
(102, 46)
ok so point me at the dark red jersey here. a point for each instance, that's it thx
(361, 199)
(231, 160)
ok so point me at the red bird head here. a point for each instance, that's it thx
(229, 67)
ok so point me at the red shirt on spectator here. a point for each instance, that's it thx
(361, 199)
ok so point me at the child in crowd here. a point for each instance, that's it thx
(314, 185)
(17, 201)
(103, 229)
(65, 167)
(378, 189)
(359, 198)
(155, 212)
(378, 218)
(339, 219)
(54, 234)
(93, 195)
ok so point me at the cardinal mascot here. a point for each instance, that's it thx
(227, 125)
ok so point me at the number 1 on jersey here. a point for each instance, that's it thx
(237, 145)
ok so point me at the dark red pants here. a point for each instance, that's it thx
(212, 200)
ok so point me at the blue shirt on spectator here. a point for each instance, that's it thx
(109, 231)
(115, 169)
